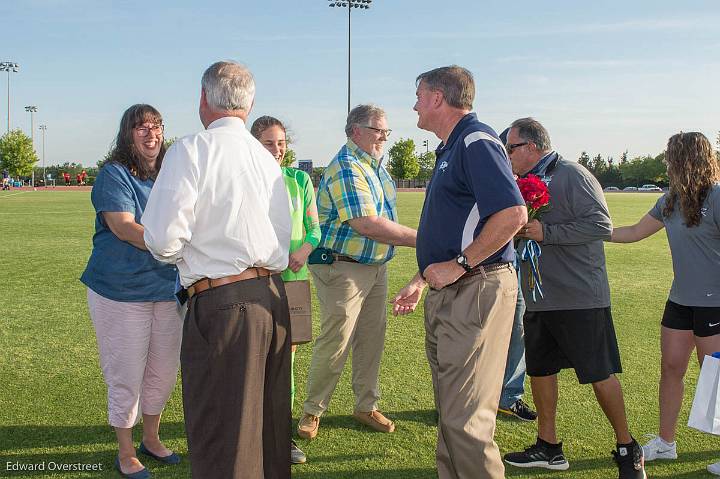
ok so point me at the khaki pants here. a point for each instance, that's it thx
(352, 300)
(467, 332)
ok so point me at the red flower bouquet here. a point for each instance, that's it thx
(535, 193)
(537, 199)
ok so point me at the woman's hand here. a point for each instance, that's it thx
(299, 257)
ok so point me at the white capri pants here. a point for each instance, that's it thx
(139, 346)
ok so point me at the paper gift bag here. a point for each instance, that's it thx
(705, 412)
(300, 305)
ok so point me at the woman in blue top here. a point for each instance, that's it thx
(130, 294)
(690, 214)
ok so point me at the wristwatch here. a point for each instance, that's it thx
(463, 261)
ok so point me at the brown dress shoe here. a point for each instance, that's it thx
(308, 426)
(375, 420)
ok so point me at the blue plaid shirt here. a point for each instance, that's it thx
(355, 185)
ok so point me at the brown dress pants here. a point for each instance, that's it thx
(235, 361)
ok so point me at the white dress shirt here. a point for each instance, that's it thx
(219, 205)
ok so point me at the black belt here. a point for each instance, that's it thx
(342, 257)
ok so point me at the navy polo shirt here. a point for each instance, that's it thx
(471, 181)
(116, 269)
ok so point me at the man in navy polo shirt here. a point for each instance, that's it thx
(472, 210)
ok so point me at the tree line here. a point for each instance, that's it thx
(634, 172)
(405, 163)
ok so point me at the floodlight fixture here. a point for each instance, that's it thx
(350, 4)
(9, 67)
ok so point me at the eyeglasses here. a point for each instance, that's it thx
(511, 147)
(144, 131)
(379, 130)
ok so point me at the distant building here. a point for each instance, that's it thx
(306, 166)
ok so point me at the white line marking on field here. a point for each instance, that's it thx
(13, 194)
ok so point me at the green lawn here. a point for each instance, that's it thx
(52, 398)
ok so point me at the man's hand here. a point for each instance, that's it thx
(299, 257)
(532, 230)
(439, 275)
(407, 299)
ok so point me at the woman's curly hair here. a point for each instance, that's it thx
(693, 169)
(123, 150)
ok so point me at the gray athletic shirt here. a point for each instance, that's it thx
(572, 264)
(695, 252)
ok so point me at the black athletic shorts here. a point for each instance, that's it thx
(703, 321)
(581, 339)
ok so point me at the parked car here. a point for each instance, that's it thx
(611, 188)
(649, 188)
(630, 188)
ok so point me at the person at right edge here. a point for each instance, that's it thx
(571, 325)
(690, 214)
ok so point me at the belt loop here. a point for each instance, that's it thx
(482, 271)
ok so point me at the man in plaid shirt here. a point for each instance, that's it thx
(358, 220)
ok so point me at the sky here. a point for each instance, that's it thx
(602, 76)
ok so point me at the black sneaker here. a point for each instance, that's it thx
(630, 461)
(520, 410)
(296, 455)
(541, 454)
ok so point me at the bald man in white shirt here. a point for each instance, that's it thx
(220, 211)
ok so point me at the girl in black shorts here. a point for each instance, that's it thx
(690, 214)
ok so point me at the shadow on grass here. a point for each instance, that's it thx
(413, 473)
(14, 438)
(426, 417)
(507, 418)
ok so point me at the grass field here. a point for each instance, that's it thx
(52, 397)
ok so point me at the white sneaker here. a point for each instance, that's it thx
(657, 448)
(714, 468)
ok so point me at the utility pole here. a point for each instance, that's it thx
(32, 109)
(44, 128)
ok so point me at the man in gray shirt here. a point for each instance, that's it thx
(570, 326)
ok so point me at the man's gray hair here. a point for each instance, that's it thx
(228, 86)
(529, 129)
(361, 115)
(454, 82)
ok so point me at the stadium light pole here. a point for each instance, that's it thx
(32, 109)
(43, 128)
(350, 4)
(8, 67)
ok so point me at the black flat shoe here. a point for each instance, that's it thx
(172, 458)
(141, 474)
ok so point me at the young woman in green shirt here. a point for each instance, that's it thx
(305, 234)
